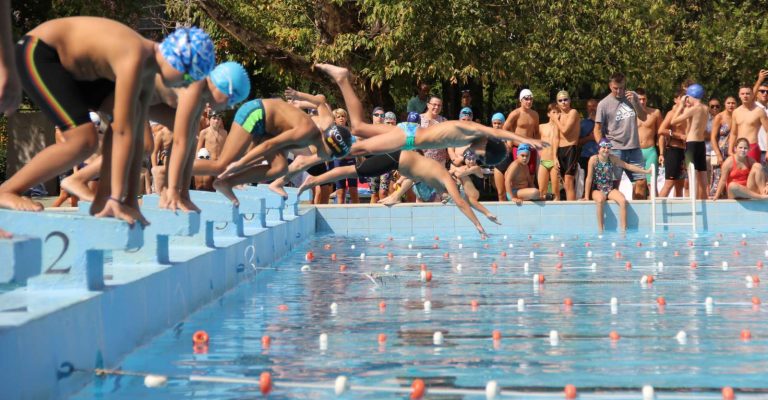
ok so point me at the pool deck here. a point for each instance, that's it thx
(87, 291)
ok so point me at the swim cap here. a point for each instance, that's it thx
(695, 91)
(525, 93)
(562, 95)
(524, 148)
(204, 154)
(495, 151)
(390, 116)
(231, 79)
(465, 111)
(498, 117)
(339, 140)
(414, 117)
(189, 50)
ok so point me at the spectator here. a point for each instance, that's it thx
(549, 167)
(616, 119)
(519, 180)
(524, 121)
(587, 136)
(211, 139)
(418, 103)
(761, 95)
(744, 177)
(341, 117)
(648, 131)
(497, 121)
(721, 129)
(747, 120)
(568, 123)
(672, 148)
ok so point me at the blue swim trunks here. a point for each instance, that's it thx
(410, 134)
(252, 118)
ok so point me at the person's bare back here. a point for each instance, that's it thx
(697, 128)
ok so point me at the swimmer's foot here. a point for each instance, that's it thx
(277, 187)
(77, 188)
(5, 235)
(308, 183)
(225, 188)
(336, 73)
(13, 201)
(390, 200)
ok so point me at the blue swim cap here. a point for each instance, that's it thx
(465, 111)
(695, 91)
(498, 117)
(230, 77)
(414, 117)
(189, 50)
(524, 148)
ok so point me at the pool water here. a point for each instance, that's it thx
(528, 358)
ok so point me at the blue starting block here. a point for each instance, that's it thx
(20, 258)
(72, 246)
(275, 204)
(218, 216)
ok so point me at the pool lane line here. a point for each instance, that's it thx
(593, 392)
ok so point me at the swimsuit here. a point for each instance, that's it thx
(64, 99)
(252, 117)
(409, 128)
(548, 164)
(722, 143)
(569, 159)
(754, 151)
(651, 159)
(603, 176)
(378, 165)
(696, 153)
(739, 176)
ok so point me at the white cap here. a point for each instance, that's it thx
(203, 153)
(94, 118)
(525, 93)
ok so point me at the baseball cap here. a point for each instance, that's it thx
(390, 116)
(378, 110)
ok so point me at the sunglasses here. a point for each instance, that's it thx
(527, 98)
(563, 100)
(763, 91)
(378, 115)
(714, 106)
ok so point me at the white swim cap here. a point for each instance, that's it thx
(204, 153)
(525, 93)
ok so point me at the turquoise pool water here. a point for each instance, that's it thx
(528, 360)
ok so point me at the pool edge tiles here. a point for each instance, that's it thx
(540, 217)
(51, 338)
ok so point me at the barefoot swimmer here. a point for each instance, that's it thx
(68, 66)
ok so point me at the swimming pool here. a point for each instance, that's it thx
(529, 360)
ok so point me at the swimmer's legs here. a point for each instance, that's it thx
(354, 106)
(80, 143)
(77, 183)
(333, 175)
(277, 166)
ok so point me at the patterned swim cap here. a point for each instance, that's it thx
(231, 79)
(498, 117)
(339, 140)
(189, 50)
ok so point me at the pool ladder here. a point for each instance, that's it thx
(691, 191)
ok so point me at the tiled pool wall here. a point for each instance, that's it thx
(56, 328)
(541, 217)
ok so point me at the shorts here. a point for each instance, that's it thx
(378, 165)
(568, 157)
(651, 158)
(252, 117)
(514, 194)
(696, 153)
(754, 152)
(630, 156)
(63, 99)
(673, 163)
(533, 163)
(346, 182)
